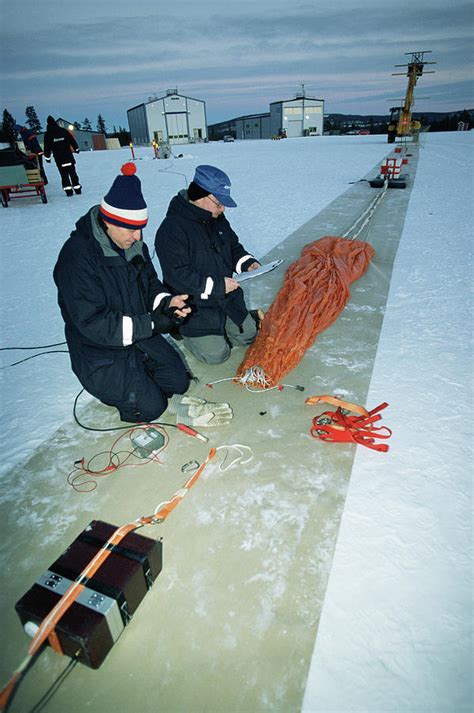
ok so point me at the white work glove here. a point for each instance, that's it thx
(193, 411)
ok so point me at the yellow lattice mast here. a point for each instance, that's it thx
(401, 123)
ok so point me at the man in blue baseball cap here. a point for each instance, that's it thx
(199, 252)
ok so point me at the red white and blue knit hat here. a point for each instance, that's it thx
(124, 204)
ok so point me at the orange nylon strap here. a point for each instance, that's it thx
(46, 630)
(334, 401)
(339, 427)
(168, 507)
(48, 624)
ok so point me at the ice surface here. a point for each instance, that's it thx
(396, 629)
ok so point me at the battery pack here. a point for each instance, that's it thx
(94, 622)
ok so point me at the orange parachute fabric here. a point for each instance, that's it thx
(314, 292)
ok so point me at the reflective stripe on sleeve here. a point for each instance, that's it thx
(207, 288)
(238, 267)
(127, 331)
(158, 298)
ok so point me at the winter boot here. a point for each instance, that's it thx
(78, 190)
(257, 315)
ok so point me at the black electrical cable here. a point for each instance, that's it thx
(44, 346)
(54, 351)
(20, 679)
(54, 687)
(116, 428)
(177, 173)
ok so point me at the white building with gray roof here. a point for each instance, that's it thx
(173, 118)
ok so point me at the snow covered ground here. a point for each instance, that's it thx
(278, 185)
(396, 627)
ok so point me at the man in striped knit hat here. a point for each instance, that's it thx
(115, 308)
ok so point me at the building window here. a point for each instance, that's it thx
(313, 109)
(293, 110)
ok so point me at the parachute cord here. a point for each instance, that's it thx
(238, 460)
(367, 214)
(256, 381)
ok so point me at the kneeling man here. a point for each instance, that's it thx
(115, 309)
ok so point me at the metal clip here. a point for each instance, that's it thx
(190, 467)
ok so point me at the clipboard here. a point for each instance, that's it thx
(259, 271)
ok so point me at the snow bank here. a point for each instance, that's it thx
(396, 628)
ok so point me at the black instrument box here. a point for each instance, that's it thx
(90, 627)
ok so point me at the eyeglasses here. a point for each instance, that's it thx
(218, 204)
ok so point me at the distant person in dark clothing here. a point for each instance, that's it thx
(32, 145)
(62, 145)
(115, 308)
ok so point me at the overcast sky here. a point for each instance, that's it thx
(80, 59)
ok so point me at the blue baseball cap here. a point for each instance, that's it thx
(215, 181)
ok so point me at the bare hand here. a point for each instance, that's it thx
(230, 284)
(254, 266)
(179, 304)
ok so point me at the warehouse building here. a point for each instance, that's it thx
(301, 116)
(251, 126)
(173, 118)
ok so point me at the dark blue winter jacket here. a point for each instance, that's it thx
(196, 252)
(60, 143)
(105, 300)
(30, 140)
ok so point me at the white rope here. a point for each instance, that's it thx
(256, 377)
(239, 459)
(367, 214)
(256, 381)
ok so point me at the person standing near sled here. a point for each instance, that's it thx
(62, 145)
(199, 252)
(32, 146)
(115, 308)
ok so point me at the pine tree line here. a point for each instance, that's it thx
(8, 127)
(32, 121)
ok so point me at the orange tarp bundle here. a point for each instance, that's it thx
(314, 292)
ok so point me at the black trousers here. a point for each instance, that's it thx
(138, 385)
(41, 167)
(69, 178)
